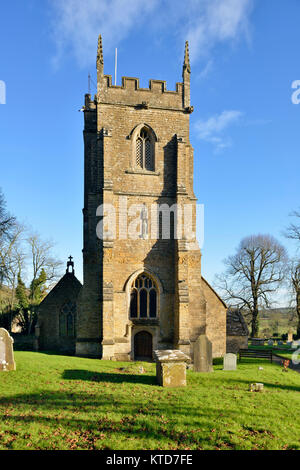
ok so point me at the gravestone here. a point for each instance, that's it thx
(6, 351)
(290, 336)
(295, 344)
(257, 341)
(203, 355)
(171, 367)
(229, 362)
(270, 342)
(257, 387)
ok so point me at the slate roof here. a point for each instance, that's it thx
(68, 283)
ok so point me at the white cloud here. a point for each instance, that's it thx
(217, 21)
(212, 130)
(77, 23)
(206, 70)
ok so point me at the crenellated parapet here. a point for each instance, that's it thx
(130, 93)
(132, 83)
(90, 113)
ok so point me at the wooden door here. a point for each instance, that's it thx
(143, 345)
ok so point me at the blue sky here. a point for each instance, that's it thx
(245, 128)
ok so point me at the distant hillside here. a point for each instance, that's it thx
(276, 320)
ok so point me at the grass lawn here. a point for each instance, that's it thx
(287, 354)
(60, 402)
(284, 350)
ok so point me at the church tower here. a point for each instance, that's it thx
(142, 288)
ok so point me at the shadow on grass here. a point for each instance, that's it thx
(57, 353)
(97, 410)
(84, 415)
(47, 353)
(267, 385)
(111, 377)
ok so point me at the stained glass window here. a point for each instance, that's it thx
(67, 320)
(144, 151)
(143, 298)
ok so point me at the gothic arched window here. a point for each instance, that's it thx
(144, 150)
(67, 320)
(143, 297)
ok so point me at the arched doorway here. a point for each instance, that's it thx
(143, 346)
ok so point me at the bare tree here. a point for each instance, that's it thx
(11, 255)
(253, 273)
(294, 282)
(15, 250)
(7, 224)
(6, 220)
(40, 253)
(45, 269)
(293, 230)
(12, 260)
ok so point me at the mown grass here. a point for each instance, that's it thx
(60, 402)
(284, 350)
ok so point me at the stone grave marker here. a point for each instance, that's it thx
(229, 362)
(257, 387)
(257, 341)
(171, 367)
(203, 355)
(6, 351)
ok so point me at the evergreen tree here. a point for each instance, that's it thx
(38, 288)
(22, 294)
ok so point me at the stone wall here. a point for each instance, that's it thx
(23, 342)
(215, 320)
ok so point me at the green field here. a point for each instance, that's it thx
(277, 320)
(60, 402)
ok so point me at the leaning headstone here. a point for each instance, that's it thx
(229, 362)
(6, 351)
(203, 355)
(171, 367)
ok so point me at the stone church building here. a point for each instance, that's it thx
(142, 288)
